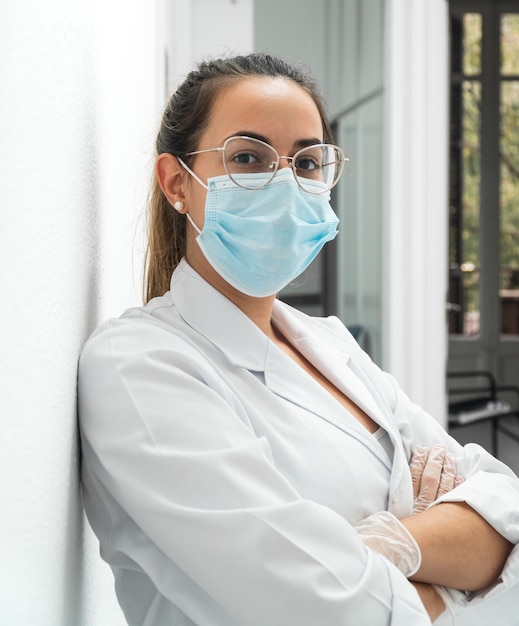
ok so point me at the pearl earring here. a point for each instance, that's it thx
(178, 206)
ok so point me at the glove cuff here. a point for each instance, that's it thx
(385, 534)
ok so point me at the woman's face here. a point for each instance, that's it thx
(275, 110)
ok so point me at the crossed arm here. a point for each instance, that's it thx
(459, 548)
(456, 547)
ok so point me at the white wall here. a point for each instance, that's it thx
(82, 84)
(194, 29)
(76, 114)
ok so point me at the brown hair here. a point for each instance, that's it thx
(185, 119)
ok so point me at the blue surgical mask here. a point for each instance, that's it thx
(260, 240)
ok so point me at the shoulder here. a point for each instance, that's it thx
(134, 326)
(143, 337)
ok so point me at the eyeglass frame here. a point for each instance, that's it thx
(343, 160)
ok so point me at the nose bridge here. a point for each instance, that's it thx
(285, 161)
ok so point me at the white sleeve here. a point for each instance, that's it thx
(164, 436)
(490, 487)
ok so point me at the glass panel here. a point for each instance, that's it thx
(464, 223)
(509, 189)
(465, 172)
(359, 201)
(472, 44)
(471, 203)
(510, 44)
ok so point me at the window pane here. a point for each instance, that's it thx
(510, 44)
(471, 201)
(471, 44)
(464, 219)
(509, 241)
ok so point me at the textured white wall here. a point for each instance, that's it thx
(78, 107)
(82, 85)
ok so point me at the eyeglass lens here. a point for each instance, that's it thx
(316, 164)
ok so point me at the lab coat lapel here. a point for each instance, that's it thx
(336, 354)
(337, 367)
(220, 321)
(333, 360)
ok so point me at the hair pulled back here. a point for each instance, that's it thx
(184, 120)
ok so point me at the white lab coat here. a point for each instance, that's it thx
(223, 481)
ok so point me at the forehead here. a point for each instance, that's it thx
(270, 106)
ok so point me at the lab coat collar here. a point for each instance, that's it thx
(223, 324)
(220, 321)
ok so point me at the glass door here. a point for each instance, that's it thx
(483, 299)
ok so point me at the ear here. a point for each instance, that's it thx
(172, 179)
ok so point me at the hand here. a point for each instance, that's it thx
(433, 472)
(385, 534)
(431, 599)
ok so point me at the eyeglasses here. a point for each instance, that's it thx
(317, 168)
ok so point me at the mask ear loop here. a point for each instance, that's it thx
(193, 224)
(179, 206)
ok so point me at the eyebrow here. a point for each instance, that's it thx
(300, 143)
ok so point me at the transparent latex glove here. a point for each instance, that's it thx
(385, 534)
(433, 472)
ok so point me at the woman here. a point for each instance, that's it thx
(243, 463)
